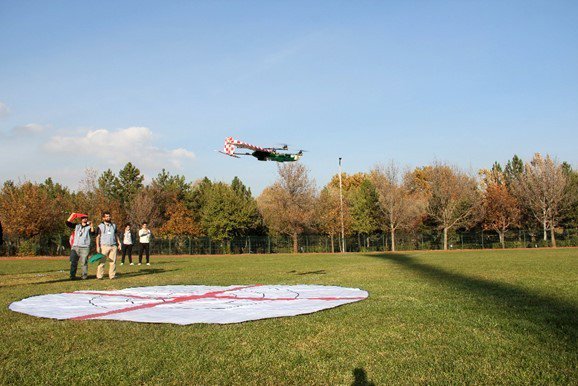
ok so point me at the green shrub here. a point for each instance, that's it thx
(28, 247)
(515, 244)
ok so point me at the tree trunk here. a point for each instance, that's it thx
(295, 243)
(332, 243)
(393, 239)
(445, 239)
(553, 236)
(502, 241)
(545, 230)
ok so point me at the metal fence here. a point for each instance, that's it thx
(55, 245)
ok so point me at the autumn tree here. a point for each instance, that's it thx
(453, 198)
(500, 210)
(96, 196)
(180, 221)
(328, 214)
(89, 183)
(349, 182)
(418, 180)
(288, 205)
(400, 207)
(166, 190)
(27, 210)
(145, 207)
(542, 189)
(493, 176)
(60, 205)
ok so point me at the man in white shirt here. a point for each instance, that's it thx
(144, 235)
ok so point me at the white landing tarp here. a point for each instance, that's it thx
(187, 304)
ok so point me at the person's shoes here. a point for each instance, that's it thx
(84, 277)
(73, 278)
(121, 263)
(99, 278)
(138, 263)
(131, 263)
(148, 263)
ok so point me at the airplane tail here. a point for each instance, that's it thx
(229, 148)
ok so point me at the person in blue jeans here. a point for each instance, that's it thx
(81, 244)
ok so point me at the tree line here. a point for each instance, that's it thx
(539, 196)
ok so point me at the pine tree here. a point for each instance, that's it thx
(107, 184)
(240, 188)
(513, 170)
(128, 184)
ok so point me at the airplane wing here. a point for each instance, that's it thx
(246, 145)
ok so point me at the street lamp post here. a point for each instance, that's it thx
(341, 205)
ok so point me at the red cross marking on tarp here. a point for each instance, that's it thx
(181, 299)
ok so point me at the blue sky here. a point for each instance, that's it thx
(162, 83)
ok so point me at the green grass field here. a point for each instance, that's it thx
(476, 317)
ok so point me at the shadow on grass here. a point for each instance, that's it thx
(119, 276)
(147, 271)
(155, 263)
(554, 315)
(39, 273)
(360, 378)
(319, 272)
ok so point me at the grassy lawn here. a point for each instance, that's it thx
(476, 317)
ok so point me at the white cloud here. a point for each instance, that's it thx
(29, 129)
(116, 148)
(4, 110)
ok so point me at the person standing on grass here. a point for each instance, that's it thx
(81, 245)
(107, 243)
(144, 235)
(127, 243)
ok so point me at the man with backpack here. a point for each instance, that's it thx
(107, 243)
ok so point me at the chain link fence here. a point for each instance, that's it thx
(57, 245)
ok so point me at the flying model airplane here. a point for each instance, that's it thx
(261, 153)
